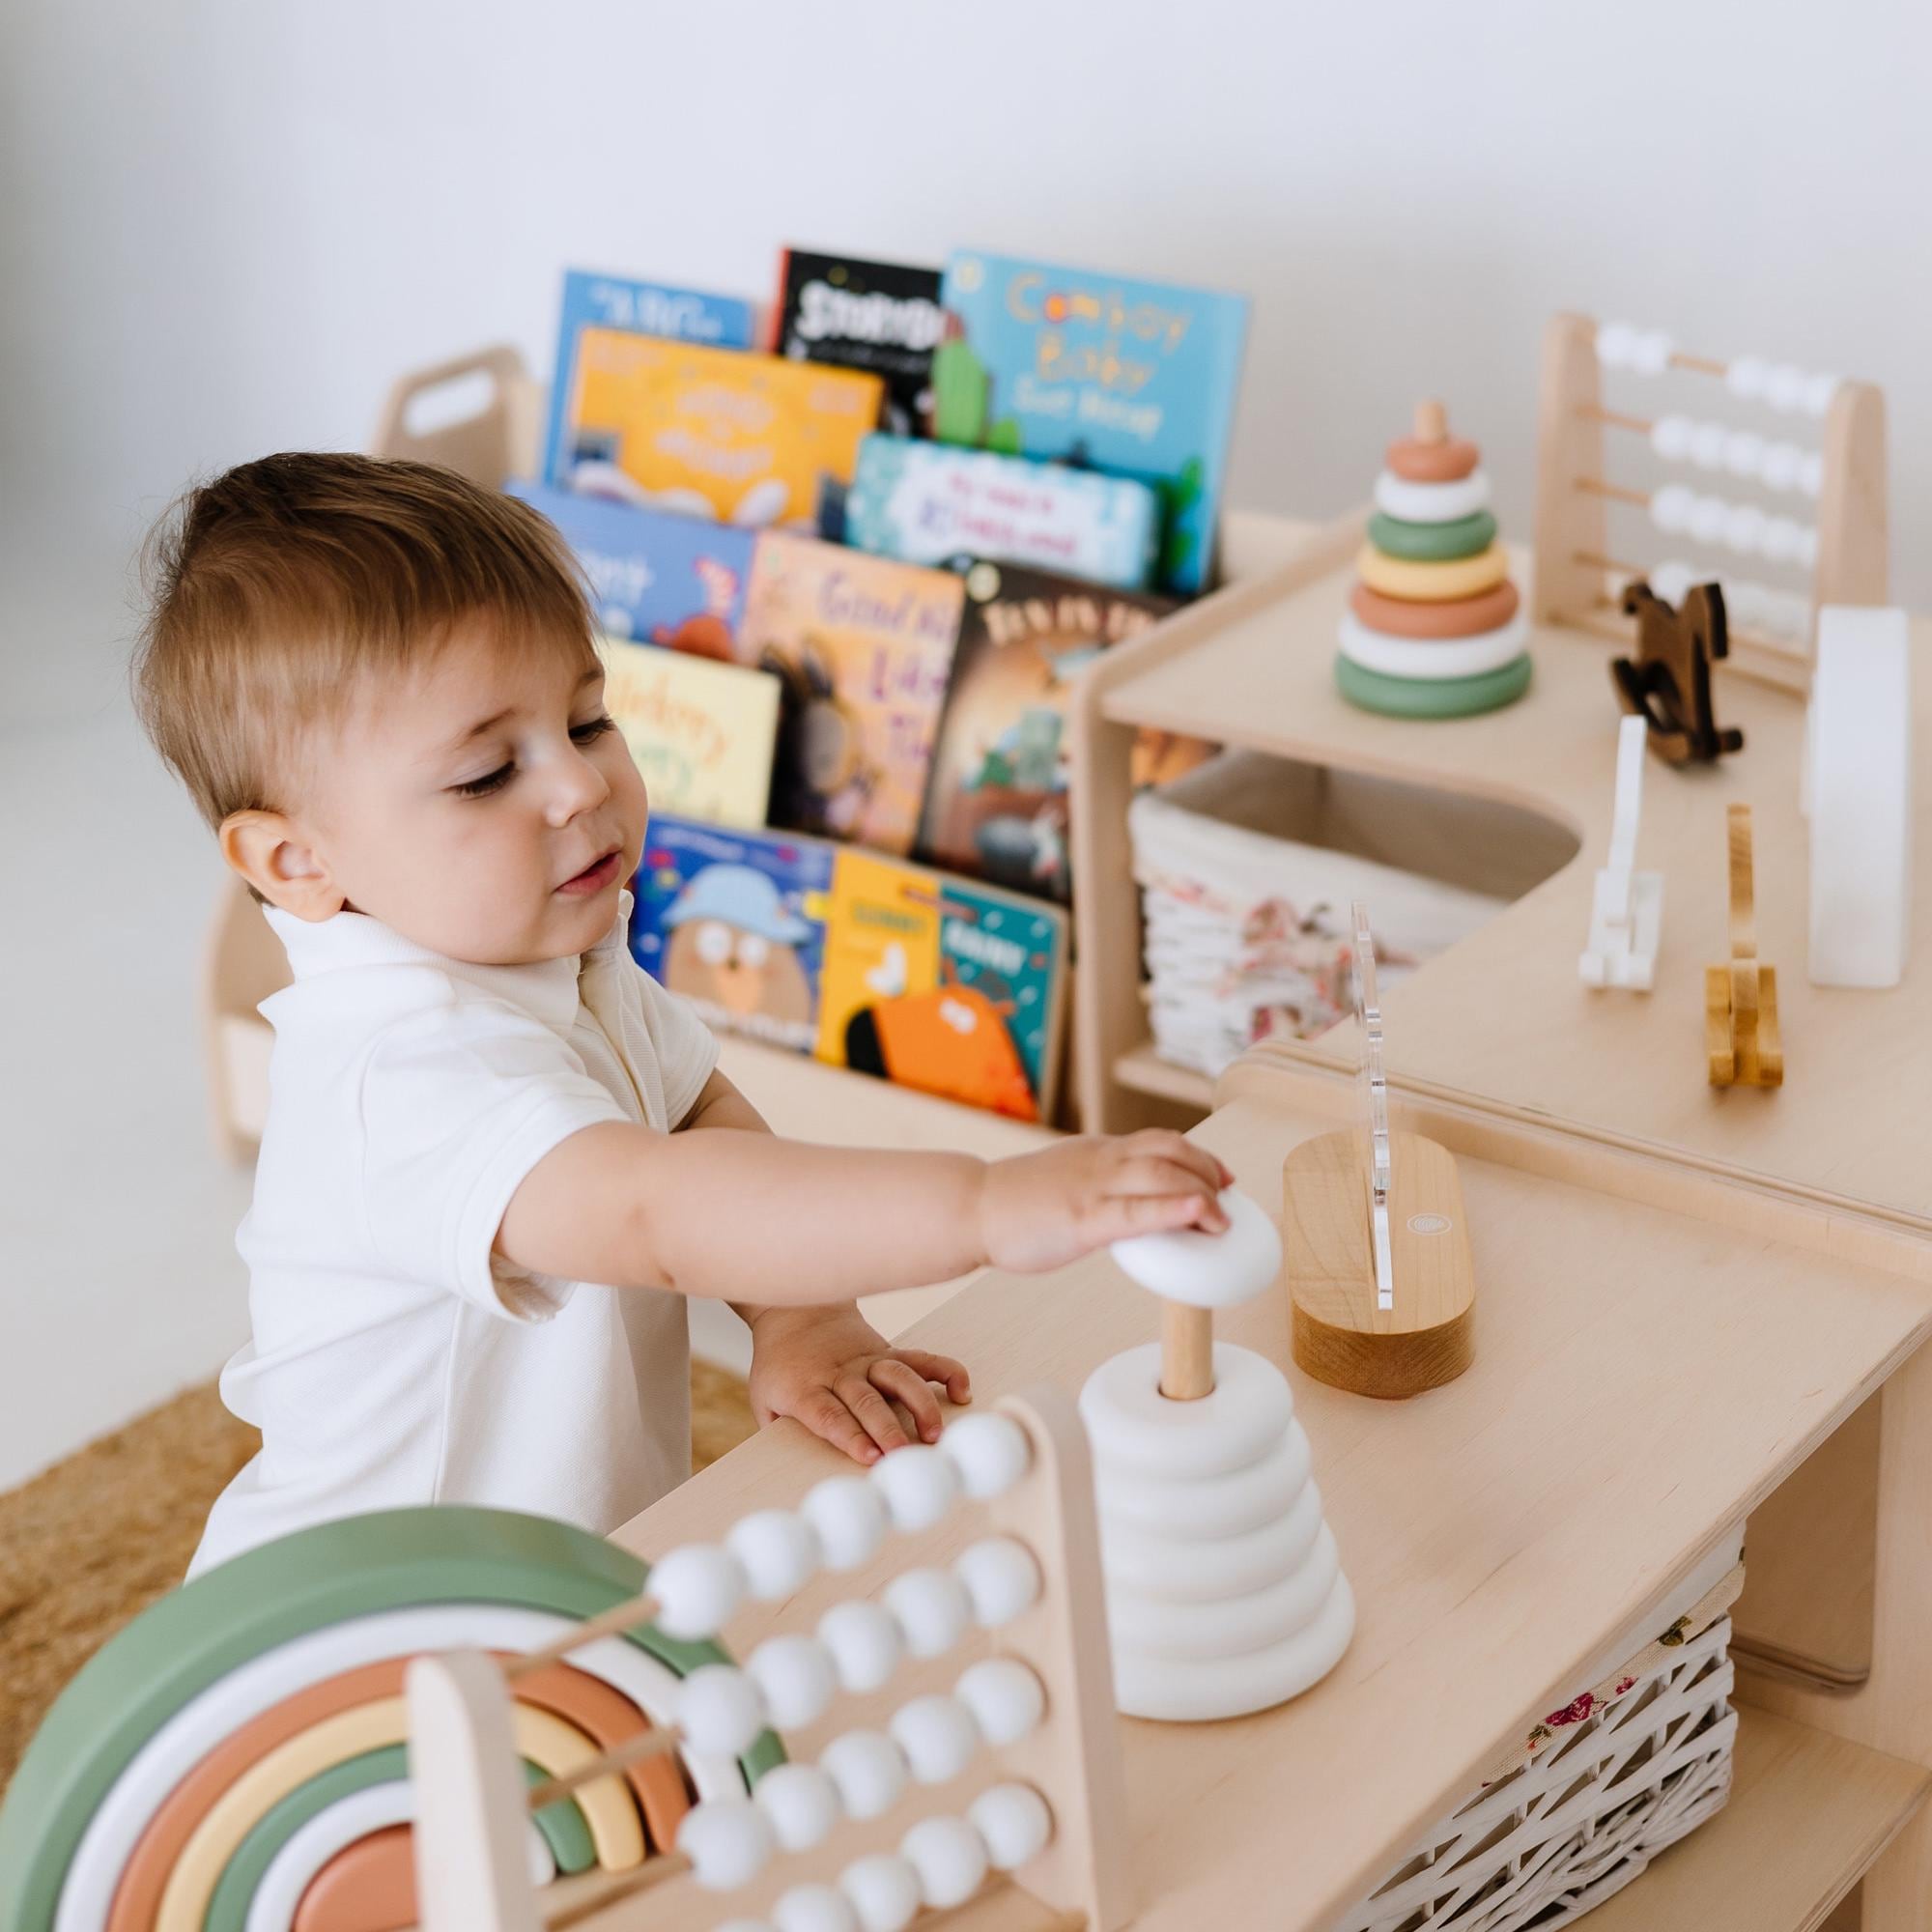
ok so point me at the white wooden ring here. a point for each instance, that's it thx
(1228, 1625)
(1170, 1570)
(1207, 1270)
(1231, 1505)
(1135, 1428)
(1412, 503)
(1433, 657)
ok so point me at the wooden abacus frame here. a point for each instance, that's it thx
(1576, 581)
(472, 1803)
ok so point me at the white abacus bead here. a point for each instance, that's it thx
(1743, 451)
(727, 1840)
(1807, 547)
(1797, 616)
(1671, 508)
(1811, 473)
(1006, 1698)
(1819, 390)
(1744, 525)
(1671, 437)
(813, 1908)
(1707, 518)
(1784, 386)
(1651, 351)
(796, 1676)
(869, 1770)
(720, 1710)
(1670, 581)
(848, 1516)
(884, 1890)
(1746, 377)
(699, 1589)
(1001, 1578)
(1706, 445)
(937, 1735)
(777, 1549)
(1781, 464)
(950, 1858)
(1745, 602)
(1782, 539)
(1616, 343)
(991, 1452)
(802, 1804)
(1014, 1821)
(865, 1643)
(919, 1484)
(931, 1609)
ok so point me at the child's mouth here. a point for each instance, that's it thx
(593, 878)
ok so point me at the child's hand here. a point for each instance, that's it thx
(1039, 1210)
(832, 1370)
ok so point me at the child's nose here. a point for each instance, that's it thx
(579, 788)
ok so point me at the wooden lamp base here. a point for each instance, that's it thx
(1340, 1337)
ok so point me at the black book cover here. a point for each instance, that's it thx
(881, 316)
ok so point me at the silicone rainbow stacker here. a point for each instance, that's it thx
(1224, 1591)
(1433, 629)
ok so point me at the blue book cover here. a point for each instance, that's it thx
(1135, 378)
(658, 579)
(643, 308)
(735, 924)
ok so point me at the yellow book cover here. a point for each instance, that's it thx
(701, 732)
(881, 941)
(714, 431)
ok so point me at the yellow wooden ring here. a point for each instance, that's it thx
(557, 1747)
(1433, 583)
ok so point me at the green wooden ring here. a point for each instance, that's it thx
(1432, 697)
(1432, 542)
(561, 1824)
(393, 1559)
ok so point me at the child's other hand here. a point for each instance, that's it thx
(1039, 1210)
(837, 1375)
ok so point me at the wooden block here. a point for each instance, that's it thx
(1340, 1337)
(1741, 999)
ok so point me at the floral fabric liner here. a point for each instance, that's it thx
(1616, 1687)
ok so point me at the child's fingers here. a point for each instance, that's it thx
(1126, 1214)
(874, 1412)
(1141, 1177)
(952, 1376)
(901, 1380)
(1163, 1144)
(832, 1421)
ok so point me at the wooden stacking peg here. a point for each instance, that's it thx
(1740, 997)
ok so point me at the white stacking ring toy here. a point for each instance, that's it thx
(1433, 657)
(1225, 1592)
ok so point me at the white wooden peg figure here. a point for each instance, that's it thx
(1627, 909)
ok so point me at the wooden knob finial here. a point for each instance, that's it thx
(1432, 422)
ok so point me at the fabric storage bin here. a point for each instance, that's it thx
(1575, 1810)
(1247, 866)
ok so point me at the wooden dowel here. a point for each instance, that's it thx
(1595, 486)
(1616, 418)
(613, 1622)
(1432, 422)
(634, 1750)
(1609, 563)
(590, 1898)
(1186, 1351)
(1701, 365)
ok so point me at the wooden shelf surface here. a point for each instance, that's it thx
(1808, 1813)
(1146, 1072)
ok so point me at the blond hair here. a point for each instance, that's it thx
(277, 588)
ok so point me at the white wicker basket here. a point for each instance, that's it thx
(1581, 1820)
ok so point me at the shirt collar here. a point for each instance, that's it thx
(544, 988)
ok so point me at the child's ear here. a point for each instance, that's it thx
(275, 855)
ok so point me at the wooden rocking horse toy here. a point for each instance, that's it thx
(1668, 683)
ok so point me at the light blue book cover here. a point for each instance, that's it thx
(657, 579)
(644, 308)
(1134, 378)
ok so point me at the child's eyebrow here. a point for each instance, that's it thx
(483, 726)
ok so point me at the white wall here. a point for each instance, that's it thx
(225, 224)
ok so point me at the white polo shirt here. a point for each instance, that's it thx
(393, 1361)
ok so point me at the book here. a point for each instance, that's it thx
(735, 922)
(717, 433)
(702, 734)
(1130, 377)
(882, 316)
(924, 503)
(996, 801)
(654, 578)
(614, 301)
(865, 647)
(870, 963)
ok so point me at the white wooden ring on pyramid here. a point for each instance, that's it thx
(1207, 1270)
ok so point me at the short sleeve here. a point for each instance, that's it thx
(458, 1106)
(687, 1049)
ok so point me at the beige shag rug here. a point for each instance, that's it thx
(92, 1541)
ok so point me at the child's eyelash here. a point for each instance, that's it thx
(594, 728)
(581, 734)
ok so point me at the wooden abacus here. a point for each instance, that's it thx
(874, 1834)
(1578, 579)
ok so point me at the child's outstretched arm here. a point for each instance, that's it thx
(738, 1214)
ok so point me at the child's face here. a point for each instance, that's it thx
(485, 808)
